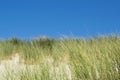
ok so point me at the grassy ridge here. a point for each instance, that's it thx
(88, 59)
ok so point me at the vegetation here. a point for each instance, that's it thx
(87, 59)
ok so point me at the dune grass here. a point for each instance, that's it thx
(87, 59)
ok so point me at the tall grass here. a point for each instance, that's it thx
(49, 59)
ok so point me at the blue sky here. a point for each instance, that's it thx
(55, 18)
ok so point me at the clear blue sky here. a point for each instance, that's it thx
(54, 18)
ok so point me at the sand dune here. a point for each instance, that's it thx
(15, 66)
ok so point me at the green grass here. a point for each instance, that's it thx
(88, 59)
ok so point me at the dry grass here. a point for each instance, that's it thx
(67, 59)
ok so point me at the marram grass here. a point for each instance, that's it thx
(65, 59)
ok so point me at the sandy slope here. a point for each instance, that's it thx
(15, 67)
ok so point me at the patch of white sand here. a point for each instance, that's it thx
(62, 69)
(14, 65)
